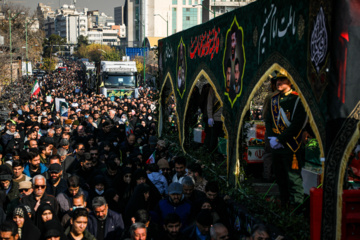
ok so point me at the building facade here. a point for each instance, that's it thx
(158, 18)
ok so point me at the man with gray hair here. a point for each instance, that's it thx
(68, 163)
(38, 196)
(189, 191)
(138, 231)
(113, 118)
(219, 232)
(108, 224)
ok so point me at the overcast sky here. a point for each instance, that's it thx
(106, 6)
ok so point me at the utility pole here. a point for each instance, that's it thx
(26, 34)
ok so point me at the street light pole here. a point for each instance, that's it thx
(167, 24)
(26, 33)
(213, 12)
(142, 22)
(59, 44)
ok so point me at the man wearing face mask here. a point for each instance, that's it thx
(78, 201)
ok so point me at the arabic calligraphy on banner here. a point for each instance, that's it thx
(275, 27)
(319, 40)
(205, 44)
(120, 93)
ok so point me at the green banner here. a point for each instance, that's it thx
(237, 51)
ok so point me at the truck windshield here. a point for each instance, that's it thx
(114, 81)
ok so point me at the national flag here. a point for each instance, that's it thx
(128, 129)
(151, 158)
(36, 89)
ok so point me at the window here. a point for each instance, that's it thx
(190, 2)
(190, 16)
(174, 20)
(174, 2)
(184, 2)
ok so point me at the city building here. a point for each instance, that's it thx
(110, 37)
(218, 7)
(157, 18)
(100, 19)
(119, 13)
(121, 30)
(104, 35)
(49, 26)
(68, 23)
(43, 12)
(95, 35)
(71, 26)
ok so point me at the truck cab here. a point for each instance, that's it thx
(118, 78)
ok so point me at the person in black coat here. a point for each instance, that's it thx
(27, 230)
(201, 228)
(138, 200)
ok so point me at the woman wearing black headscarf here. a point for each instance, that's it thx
(113, 200)
(44, 214)
(139, 200)
(52, 229)
(139, 177)
(98, 188)
(26, 229)
(123, 186)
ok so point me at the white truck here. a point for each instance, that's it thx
(118, 79)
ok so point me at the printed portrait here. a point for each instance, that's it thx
(181, 68)
(234, 62)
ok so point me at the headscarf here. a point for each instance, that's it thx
(53, 228)
(137, 201)
(155, 195)
(38, 219)
(29, 231)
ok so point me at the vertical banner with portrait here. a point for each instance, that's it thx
(181, 68)
(234, 62)
(62, 106)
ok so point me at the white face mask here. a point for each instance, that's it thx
(99, 192)
(74, 207)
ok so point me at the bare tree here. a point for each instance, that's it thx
(18, 38)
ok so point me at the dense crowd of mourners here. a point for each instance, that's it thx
(100, 172)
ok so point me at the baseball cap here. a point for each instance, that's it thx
(54, 168)
(175, 188)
